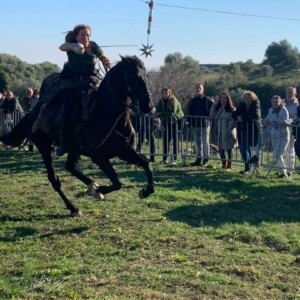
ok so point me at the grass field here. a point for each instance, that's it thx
(204, 234)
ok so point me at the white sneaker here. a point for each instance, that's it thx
(173, 163)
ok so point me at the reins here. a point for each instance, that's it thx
(113, 128)
(111, 131)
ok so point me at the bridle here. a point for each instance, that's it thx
(127, 138)
(113, 128)
(126, 92)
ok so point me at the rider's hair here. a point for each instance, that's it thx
(71, 35)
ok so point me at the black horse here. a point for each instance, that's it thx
(106, 134)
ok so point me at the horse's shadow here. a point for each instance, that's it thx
(18, 233)
(32, 218)
(253, 212)
(240, 201)
(72, 231)
(23, 232)
(10, 160)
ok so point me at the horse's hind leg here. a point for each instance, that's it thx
(107, 168)
(132, 157)
(72, 167)
(47, 155)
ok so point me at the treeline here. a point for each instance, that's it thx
(17, 75)
(279, 69)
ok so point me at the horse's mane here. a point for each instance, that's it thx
(131, 62)
(111, 105)
(110, 88)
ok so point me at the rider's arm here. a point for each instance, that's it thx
(66, 47)
(75, 47)
(105, 60)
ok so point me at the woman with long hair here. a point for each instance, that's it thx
(248, 116)
(226, 134)
(170, 111)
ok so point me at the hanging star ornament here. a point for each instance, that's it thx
(146, 50)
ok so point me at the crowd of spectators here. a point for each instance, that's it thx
(12, 109)
(240, 126)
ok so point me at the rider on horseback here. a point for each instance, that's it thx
(82, 58)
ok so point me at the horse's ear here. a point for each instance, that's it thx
(125, 58)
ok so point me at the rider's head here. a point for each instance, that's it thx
(72, 36)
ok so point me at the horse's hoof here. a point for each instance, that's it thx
(141, 194)
(146, 192)
(76, 214)
(92, 191)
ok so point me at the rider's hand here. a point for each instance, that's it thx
(78, 48)
(106, 62)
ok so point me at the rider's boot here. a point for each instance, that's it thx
(65, 138)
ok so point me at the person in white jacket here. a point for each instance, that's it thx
(291, 103)
(275, 130)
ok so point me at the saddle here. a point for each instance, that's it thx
(51, 98)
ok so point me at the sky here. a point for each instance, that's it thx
(32, 30)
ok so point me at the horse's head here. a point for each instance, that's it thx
(128, 78)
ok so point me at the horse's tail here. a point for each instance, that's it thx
(22, 130)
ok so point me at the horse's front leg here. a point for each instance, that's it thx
(107, 168)
(132, 157)
(72, 167)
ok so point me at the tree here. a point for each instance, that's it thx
(281, 54)
(17, 75)
(3, 81)
(178, 73)
(266, 71)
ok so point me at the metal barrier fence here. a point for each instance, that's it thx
(170, 141)
(10, 120)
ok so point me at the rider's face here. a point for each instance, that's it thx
(83, 37)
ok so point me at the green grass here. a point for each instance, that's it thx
(204, 234)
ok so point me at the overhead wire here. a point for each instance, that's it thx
(224, 12)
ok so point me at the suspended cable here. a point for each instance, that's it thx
(225, 12)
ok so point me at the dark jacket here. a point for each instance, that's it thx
(296, 132)
(200, 107)
(9, 106)
(12, 105)
(251, 119)
(26, 104)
